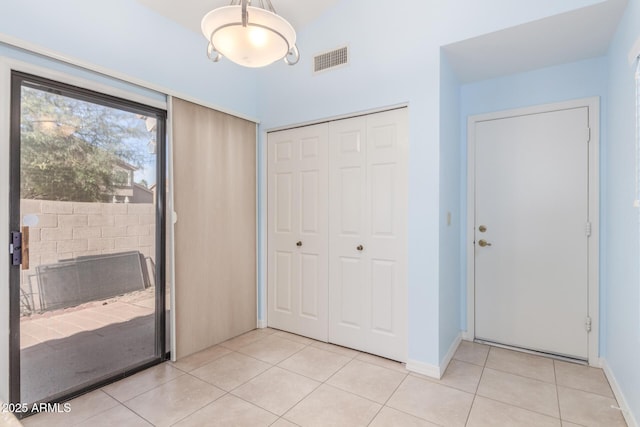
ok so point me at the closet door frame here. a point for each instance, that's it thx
(263, 308)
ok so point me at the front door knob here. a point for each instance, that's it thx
(483, 243)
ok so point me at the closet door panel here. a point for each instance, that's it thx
(349, 299)
(387, 141)
(367, 267)
(383, 285)
(310, 288)
(383, 195)
(283, 274)
(347, 309)
(309, 203)
(297, 226)
(283, 194)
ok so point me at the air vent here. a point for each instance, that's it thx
(331, 59)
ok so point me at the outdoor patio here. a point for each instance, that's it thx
(73, 347)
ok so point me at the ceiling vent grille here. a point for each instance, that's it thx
(331, 59)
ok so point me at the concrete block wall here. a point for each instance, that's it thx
(67, 230)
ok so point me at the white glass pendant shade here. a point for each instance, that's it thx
(266, 38)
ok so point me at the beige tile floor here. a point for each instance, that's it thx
(272, 378)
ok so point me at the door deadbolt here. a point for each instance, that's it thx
(483, 243)
(482, 228)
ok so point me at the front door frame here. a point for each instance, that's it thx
(593, 105)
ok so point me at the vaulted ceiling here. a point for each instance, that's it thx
(190, 13)
(579, 34)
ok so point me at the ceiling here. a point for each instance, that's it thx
(568, 37)
(579, 34)
(190, 13)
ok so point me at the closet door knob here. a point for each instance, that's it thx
(360, 247)
(299, 243)
(483, 243)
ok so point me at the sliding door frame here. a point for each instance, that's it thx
(97, 93)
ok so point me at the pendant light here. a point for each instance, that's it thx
(251, 36)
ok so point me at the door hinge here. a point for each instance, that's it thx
(587, 229)
(587, 324)
(588, 134)
(15, 248)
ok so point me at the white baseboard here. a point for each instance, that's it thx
(434, 371)
(262, 324)
(422, 368)
(447, 357)
(467, 336)
(622, 402)
(598, 362)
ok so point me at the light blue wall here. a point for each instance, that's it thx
(395, 58)
(13, 53)
(552, 84)
(450, 173)
(582, 79)
(621, 248)
(290, 95)
(126, 38)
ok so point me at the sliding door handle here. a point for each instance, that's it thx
(25, 247)
(19, 248)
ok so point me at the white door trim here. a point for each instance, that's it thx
(593, 104)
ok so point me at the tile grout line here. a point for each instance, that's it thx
(475, 393)
(506, 403)
(191, 413)
(47, 415)
(266, 370)
(160, 385)
(137, 414)
(229, 392)
(350, 358)
(555, 380)
(384, 405)
(320, 383)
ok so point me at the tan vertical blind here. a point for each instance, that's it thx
(215, 237)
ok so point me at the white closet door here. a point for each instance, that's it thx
(298, 231)
(367, 264)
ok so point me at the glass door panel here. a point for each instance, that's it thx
(91, 293)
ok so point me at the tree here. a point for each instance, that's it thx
(70, 147)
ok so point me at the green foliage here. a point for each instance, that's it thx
(70, 148)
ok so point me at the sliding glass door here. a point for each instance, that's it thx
(87, 219)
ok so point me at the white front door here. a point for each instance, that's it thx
(367, 265)
(298, 231)
(531, 231)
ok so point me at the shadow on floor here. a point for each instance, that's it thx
(62, 365)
